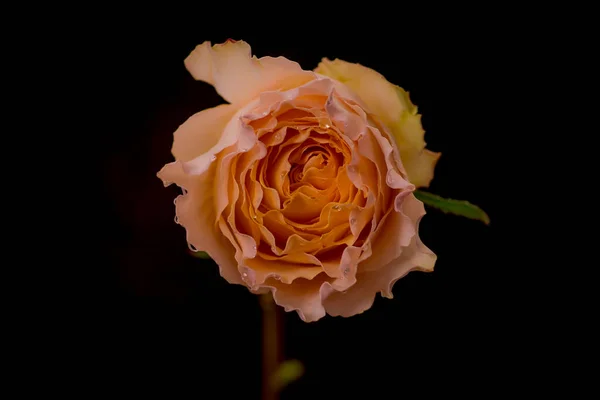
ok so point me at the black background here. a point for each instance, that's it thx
(164, 318)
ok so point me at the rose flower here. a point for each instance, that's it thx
(303, 184)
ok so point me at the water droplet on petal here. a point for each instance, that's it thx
(327, 126)
(255, 217)
(244, 149)
(253, 247)
(352, 168)
(390, 179)
(213, 158)
(337, 207)
(245, 272)
(346, 271)
(353, 221)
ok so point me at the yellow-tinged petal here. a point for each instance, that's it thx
(392, 105)
(237, 76)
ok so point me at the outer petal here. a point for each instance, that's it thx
(237, 76)
(390, 240)
(303, 296)
(416, 256)
(393, 107)
(201, 132)
(195, 212)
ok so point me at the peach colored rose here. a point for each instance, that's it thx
(299, 185)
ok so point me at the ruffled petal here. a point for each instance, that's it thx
(392, 105)
(369, 281)
(303, 296)
(237, 76)
(196, 213)
(201, 132)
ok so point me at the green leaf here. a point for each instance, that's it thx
(461, 208)
(288, 372)
(200, 254)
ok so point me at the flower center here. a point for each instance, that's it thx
(318, 159)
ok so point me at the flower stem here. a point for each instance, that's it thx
(271, 345)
